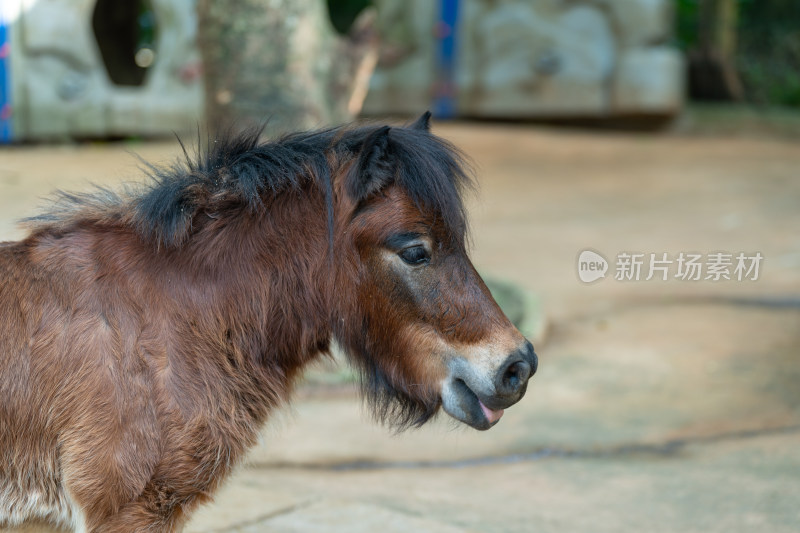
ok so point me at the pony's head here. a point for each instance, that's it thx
(390, 278)
(411, 310)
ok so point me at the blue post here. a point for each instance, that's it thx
(444, 105)
(5, 82)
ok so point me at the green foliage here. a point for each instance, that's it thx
(769, 51)
(768, 46)
(687, 21)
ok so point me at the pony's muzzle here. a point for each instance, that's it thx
(478, 398)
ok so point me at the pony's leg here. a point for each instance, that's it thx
(160, 508)
(141, 515)
(106, 464)
(137, 517)
(109, 497)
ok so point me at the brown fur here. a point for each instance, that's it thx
(134, 374)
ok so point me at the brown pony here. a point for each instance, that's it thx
(145, 336)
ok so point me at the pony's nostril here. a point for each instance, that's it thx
(511, 378)
(514, 377)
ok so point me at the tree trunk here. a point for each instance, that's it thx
(281, 62)
(713, 73)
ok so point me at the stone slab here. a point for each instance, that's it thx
(649, 81)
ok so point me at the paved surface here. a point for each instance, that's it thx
(659, 406)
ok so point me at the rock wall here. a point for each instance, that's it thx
(529, 58)
(61, 88)
(511, 59)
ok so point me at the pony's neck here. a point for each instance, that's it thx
(265, 275)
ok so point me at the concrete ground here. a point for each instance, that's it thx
(659, 405)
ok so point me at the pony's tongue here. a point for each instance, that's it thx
(491, 415)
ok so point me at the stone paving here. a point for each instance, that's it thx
(659, 406)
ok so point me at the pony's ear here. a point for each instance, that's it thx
(423, 122)
(374, 169)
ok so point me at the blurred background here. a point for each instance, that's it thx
(102, 68)
(651, 130)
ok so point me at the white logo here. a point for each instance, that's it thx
(591, 266)
(639, 266)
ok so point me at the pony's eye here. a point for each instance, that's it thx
(415, 255)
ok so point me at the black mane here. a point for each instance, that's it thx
(237, 169)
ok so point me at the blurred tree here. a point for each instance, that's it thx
(282, 61)
(712, 61)
(769, 51)
(761, 39)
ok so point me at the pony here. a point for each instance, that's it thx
(146, 334)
